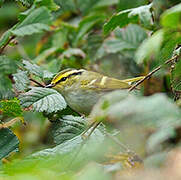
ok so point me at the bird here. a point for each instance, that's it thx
(82, 88)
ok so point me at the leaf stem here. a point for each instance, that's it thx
(36, 82)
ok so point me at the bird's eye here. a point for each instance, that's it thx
(64, 78)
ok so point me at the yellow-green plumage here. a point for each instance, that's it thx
(82, 89)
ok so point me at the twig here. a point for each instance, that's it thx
(36, 82)
(152, 72)
(9, 40)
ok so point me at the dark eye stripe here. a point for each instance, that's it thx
(65, 78)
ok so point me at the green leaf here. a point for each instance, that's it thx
(149, 47)
(43, 100)
(67, 127)
(5, 87)
(86, 24)
(50, 4)
(31, 29)
(8, 142)
(171, 17)
(36, 22)
(104, 3)
(7, 66)
(5, 37)
(21, 80)
(86, 6)
(37, 70)
(128, 38)
(125, 17)
(73, 145)
(11, 107)
(125, 110)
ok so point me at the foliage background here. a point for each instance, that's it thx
(40, 138)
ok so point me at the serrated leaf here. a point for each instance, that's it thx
(7, 66)
(149, 47)
(5, 87)
(128, 38)
(21, 80)
(125, 17)
(37, 70)
(67, 127)
(86, 24)
(8, 142)
(11, 107)
(171, 17)
(43, 100)
(36, 22)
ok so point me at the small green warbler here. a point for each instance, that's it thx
(82, 89)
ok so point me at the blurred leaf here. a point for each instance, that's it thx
(86, 24)
(43, 100)
(5, 37)
(160, 136)
(66, 6)
(50, 4)
(103, 3)
(171, 17)
(125, 17)
(31, 29)
(46, 53)
(128, 38)
(37, 21)
(67, 127)
(11, 107)
(149, 47)
(37, 70)
(1, 2)
(5, 88)
(21, 80)
(73, 52)
(7, 66)
(124, 109)
(8, 142)
(73, 145)
(86, 5)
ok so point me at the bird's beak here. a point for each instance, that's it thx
(49, 86)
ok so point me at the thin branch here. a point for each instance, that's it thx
(9, 40)
(36, 82)
(152, 72)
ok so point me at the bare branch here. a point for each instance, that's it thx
(152, 72)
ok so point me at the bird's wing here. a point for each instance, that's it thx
(103, 83)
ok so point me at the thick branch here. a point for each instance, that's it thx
(152, 72)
